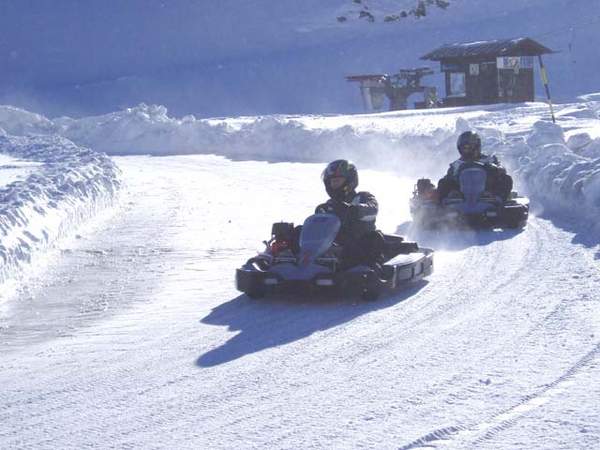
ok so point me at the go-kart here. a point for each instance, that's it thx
(313, 263)
(472, 206)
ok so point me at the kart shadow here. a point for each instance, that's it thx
(453, 239)
(280, 320)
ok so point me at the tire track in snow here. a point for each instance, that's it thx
(476, 434)
(467, 434)
(480, 433)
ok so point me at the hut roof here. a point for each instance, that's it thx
(501, 47)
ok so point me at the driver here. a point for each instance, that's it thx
(357, 211)
(498, 182)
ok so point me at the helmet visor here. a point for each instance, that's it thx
(336, 182)
(469, 150)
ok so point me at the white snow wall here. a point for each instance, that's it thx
(72, 185)
(562, 176)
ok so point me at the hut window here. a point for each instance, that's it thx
(457, 84)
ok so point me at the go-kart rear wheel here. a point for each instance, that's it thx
(515, 218)
(372, 284)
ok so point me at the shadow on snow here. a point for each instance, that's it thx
(280, 320)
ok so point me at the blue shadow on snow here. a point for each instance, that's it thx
(276, 320)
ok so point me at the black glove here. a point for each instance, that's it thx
(323, 208)
(351, 213)
(341, 209)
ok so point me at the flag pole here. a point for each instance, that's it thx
(545, 81)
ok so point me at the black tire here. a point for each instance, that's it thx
(515, 218)
(516, 225)
(256, 293)
(370, 295)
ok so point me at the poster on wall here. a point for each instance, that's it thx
(457, 84)
(474, 69)
(514, 62)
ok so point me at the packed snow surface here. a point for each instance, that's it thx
(130, 333)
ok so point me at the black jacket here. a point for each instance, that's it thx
(498, 181)
(357, 213)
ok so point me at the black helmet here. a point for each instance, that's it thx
(336, 169)
(469, 146)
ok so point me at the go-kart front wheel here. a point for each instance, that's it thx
(370, 295)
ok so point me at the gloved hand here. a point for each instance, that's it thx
(323, 208)
(344, 211)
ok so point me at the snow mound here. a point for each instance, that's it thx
(70, 186)
(560, 175)
(593, 97)
(19, 122)
(556, 173)
(147, 129)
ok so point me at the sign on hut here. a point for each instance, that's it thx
(484, 72)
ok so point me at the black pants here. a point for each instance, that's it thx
(366, 250)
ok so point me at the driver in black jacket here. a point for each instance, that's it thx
(357, 211)
(498, 182)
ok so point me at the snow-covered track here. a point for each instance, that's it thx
(503, 334)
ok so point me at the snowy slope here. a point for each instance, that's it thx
(234, 57)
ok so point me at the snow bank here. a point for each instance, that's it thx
(594, 97)
(19, 122)
(70, 185)
(558, 174)
(149, 130)
(564, 175)
(554, 170)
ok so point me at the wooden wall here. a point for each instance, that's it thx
(485, 84)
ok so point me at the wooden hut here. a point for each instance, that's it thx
(484, 72)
